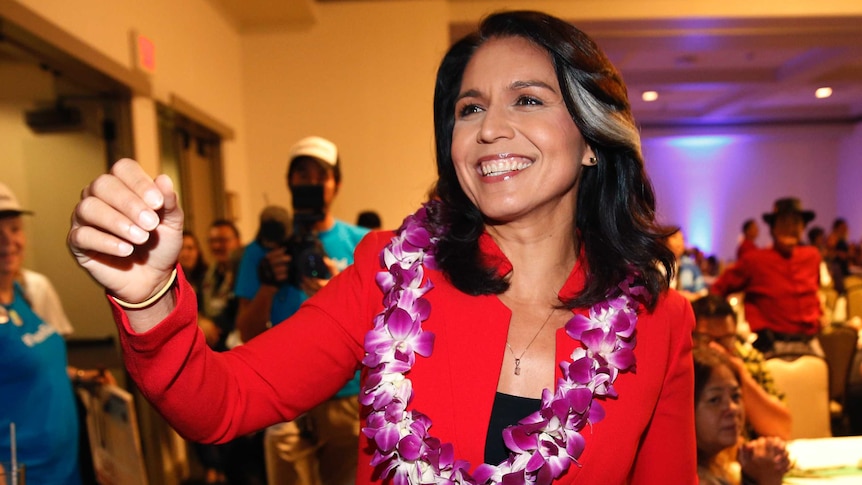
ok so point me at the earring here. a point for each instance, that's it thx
(593, 161)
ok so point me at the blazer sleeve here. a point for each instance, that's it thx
(668, 449)
(213, 397)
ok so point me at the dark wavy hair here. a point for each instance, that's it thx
(706, 360)
(711, 306)
(615, 217)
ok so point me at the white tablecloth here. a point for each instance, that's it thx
(824, 457)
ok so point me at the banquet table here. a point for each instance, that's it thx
(826, 461)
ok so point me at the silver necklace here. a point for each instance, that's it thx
(518, 358)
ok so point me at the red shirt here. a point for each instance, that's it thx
(780, 293)
(745, 246)
(646, 437)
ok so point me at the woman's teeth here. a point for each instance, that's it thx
(499, 167)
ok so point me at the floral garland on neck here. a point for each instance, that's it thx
(544, 444)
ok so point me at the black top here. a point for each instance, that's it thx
(507, 411)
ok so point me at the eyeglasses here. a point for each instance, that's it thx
(727, 340)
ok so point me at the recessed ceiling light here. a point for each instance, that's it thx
(823, 93)
(649, 96)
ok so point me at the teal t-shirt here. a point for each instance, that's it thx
(36, 394)
(339, 242)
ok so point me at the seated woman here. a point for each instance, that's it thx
(719, 418)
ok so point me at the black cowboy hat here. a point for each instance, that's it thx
(788, 205)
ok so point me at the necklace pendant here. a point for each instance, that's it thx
(517, 367)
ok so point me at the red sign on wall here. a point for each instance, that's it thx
(146, 54)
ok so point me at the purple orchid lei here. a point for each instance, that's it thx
(544, 444)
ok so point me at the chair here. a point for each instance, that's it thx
(839, 347)
(829, 297)
(804, 380)
(854, 302)
(852, 281)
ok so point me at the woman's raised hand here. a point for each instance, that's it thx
(127, 231)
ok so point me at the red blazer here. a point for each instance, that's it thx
(647, 436)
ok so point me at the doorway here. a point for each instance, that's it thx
(191, 154)
(61, 125)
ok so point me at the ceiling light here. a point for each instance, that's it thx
(823, 93)
(649, 96)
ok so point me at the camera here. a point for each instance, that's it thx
(303, 245)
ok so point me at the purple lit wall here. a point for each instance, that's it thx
(709, 182)
(850, 182)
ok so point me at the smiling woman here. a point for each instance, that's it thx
(539, 241)
(515, 146)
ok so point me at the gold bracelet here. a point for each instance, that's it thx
(149, 301)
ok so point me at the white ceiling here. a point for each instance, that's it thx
(706, 71)
(740, 71)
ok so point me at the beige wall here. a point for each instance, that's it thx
(362, 76)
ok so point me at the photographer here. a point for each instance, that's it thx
(280, 270)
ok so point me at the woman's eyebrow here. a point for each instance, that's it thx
(531, 83)
(516, 85)
(470, 93)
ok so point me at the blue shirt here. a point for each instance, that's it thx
(339, 242)
(690, 276)
(36, 394)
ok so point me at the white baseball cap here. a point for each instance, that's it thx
(317, 147)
